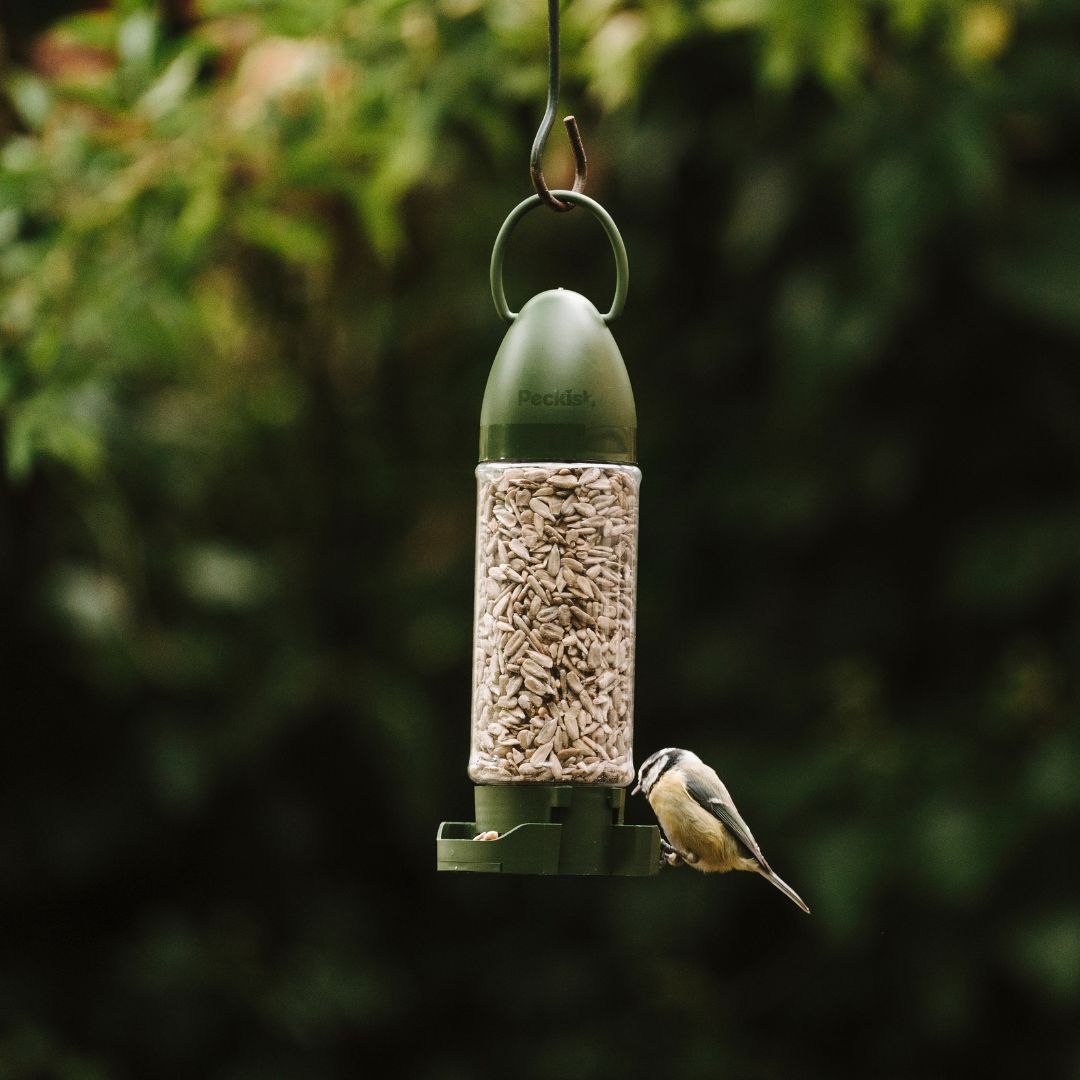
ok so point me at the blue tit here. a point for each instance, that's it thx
(702, 826)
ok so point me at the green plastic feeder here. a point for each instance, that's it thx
(553, 658)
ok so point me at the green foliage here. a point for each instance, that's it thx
(245, 330)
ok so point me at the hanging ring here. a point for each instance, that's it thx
(622, 265)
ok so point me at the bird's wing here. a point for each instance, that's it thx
(725, 811)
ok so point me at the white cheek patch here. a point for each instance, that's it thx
(656, 771)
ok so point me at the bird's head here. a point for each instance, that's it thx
(652, 768)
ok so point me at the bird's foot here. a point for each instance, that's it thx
(668, 855)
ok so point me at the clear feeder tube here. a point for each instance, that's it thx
(553, 643)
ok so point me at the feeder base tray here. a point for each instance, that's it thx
(549, 829)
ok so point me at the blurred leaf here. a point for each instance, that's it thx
(1049, 952)
(172, 86)
(1050, 774)
(956, 849)
(90, 602)
(63, 426)
(31, 98)
(291, 238)
(222, 577)
(1038, 272)
(1006, 564)
(136, 40)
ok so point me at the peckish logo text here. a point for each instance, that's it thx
(556, 398)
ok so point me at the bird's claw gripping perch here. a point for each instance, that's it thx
(668, 855)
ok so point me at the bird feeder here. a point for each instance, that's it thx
(552, 711)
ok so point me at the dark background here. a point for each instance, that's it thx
(246, 329)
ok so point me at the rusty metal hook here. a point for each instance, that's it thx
(536, 170)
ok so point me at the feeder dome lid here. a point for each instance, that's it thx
(558, 389)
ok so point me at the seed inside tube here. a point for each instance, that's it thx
(554, 619)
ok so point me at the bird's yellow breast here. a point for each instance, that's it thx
(690, 828)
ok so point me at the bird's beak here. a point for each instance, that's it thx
(637, 788)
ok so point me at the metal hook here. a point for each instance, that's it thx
(536, 169)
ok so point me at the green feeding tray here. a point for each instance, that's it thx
(572, 829)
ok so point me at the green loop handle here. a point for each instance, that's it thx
(622, 266)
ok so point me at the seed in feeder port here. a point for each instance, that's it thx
(554, 623)
(491, 834)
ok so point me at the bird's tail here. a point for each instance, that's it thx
(775, 879)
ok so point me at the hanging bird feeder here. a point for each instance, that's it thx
(556, 567)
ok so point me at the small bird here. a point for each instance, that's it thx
(702, 826)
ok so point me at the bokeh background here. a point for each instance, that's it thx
(246, 328)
